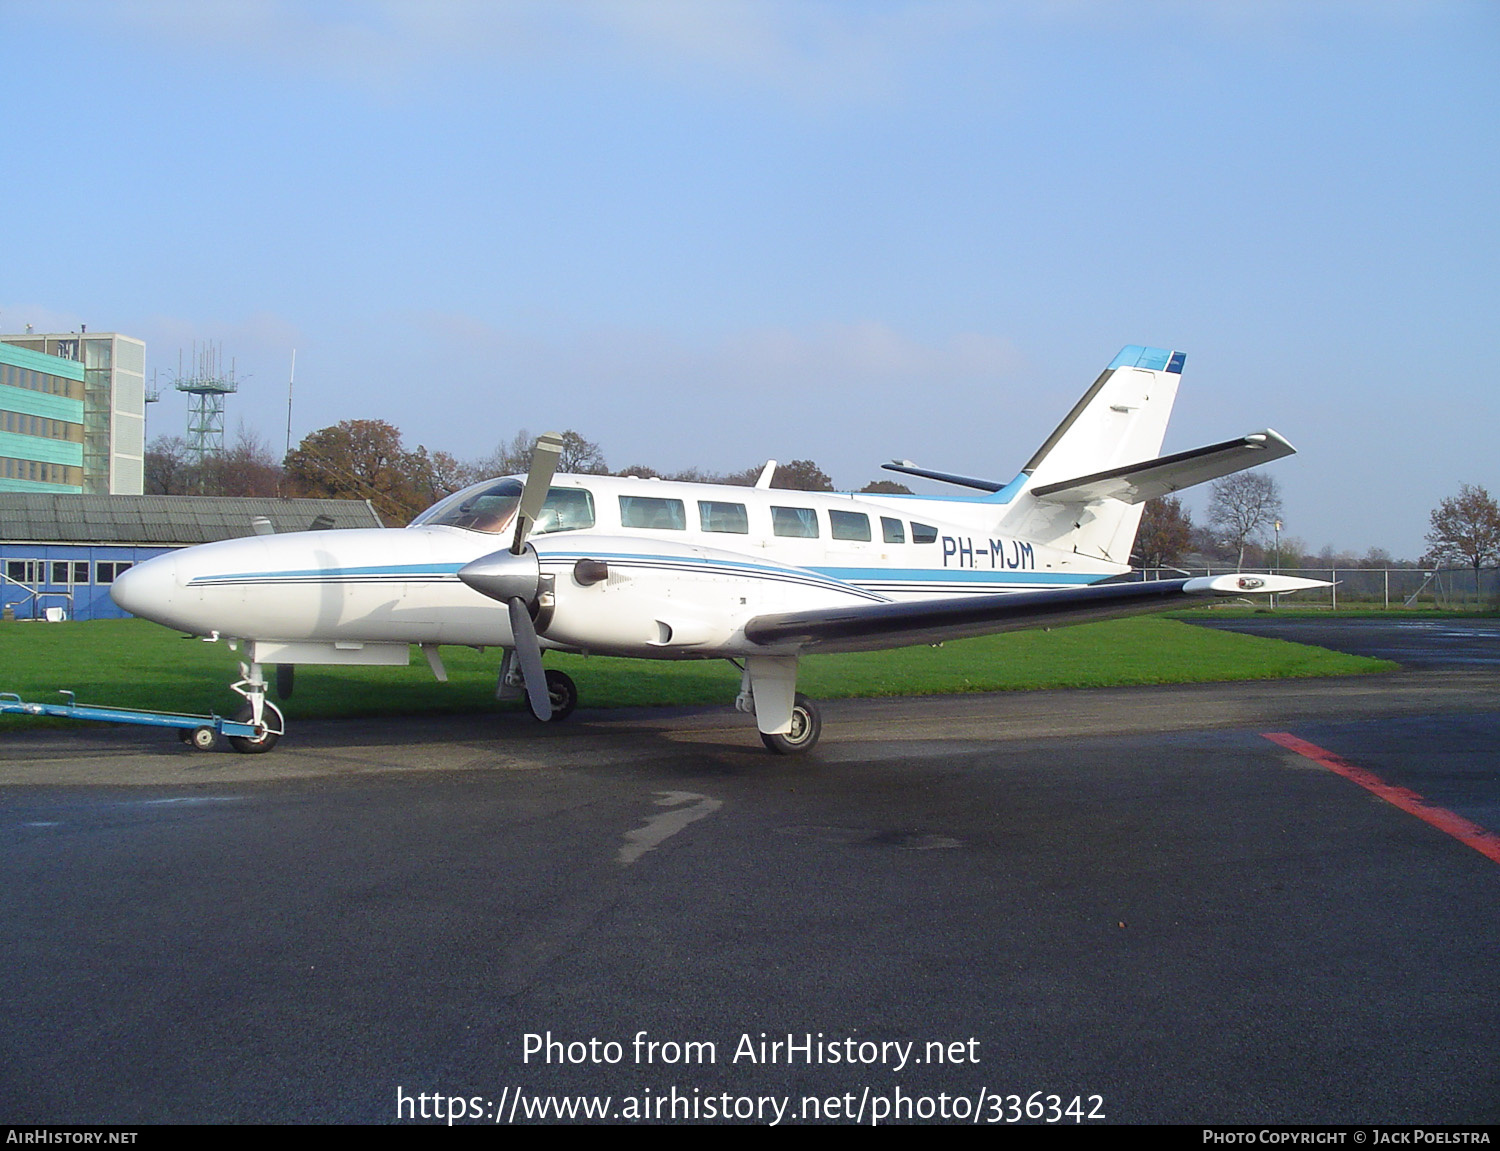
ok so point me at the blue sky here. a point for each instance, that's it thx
(707, 233)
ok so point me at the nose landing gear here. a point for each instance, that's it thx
(263, 715)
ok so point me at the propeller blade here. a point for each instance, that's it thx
(529, 651)
(544, 456)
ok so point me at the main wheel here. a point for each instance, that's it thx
(807, 726)
(563, 694)
(255, 744)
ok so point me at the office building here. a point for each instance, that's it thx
(72, 413)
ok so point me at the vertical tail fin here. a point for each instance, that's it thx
(1120, 420)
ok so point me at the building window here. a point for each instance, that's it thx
(66, 572)
(107, 571)
(22, 571)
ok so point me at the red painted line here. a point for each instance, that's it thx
(1487, 843)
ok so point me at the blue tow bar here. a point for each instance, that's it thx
(202, 731)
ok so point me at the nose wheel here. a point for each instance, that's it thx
(271, 719)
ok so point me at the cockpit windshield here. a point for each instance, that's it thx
(487, 507)
(491, 507)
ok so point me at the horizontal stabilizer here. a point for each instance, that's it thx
(906, 467)
(1137, 483)
(870, 627)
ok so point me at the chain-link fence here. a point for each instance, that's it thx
(1450, 589)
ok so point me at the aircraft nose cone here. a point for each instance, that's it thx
(504, 575)
(147, 588)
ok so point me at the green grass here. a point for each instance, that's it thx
(132, 663)
(1358, 611)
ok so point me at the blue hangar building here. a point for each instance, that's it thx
(59, 553)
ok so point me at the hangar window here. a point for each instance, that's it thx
(69, 572)
(22, 571)
(720, 517)
(798, 523)
(107, 571)
(653, 512)
(849, 526)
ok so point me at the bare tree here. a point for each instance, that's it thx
(581, 457)
(1242, 506)
(513, 457)
(1165, 533)
(247, 467)
(1466, 527)
(169, 468)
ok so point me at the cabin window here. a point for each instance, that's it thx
(923, 533)
(565, 510)
(892, 531)
(798, 523)
(849, 526)
(719, 517)
(653, 512)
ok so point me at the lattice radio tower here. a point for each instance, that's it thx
(208, 386)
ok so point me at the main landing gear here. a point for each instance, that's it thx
(789, 722)
(807, 726)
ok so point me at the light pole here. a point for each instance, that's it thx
(1276, 527)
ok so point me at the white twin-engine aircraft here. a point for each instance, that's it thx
(758, 576)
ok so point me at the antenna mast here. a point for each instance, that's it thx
(208, 385)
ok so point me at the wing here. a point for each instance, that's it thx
(870, 627)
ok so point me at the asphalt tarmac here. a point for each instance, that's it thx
(1130, 900)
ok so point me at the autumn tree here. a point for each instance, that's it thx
(1242, 506)
(1165, 533)
(1465, 527)
(362, 459)
(802, 476)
